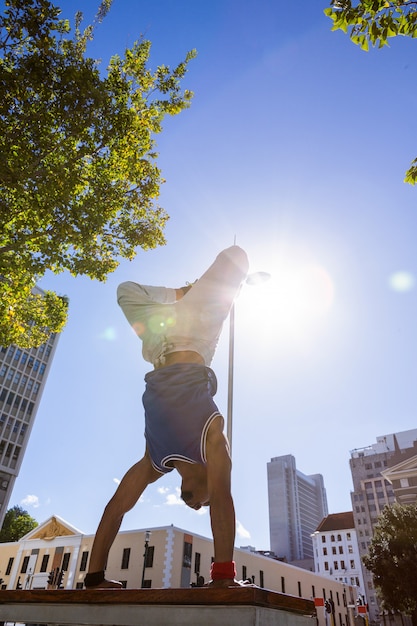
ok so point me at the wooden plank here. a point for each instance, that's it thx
(200, 596)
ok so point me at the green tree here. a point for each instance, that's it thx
(78, 174)
(17, 523)
(392, 559)
(373, 22)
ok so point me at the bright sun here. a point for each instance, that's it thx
(294, 298)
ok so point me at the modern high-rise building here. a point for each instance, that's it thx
(297, 505)
(23, 374)
(372, 491)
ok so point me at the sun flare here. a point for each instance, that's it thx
(291, 301)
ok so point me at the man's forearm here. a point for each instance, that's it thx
(223, 526)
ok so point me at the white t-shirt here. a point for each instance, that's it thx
(192, 323)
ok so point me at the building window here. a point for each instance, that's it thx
(350, 549)
(25, 564)
(299, 589)
(149, 556)
(125, 558)
(44, 564)
(336, 565)
(352, 565)
(197, 562)
(261, 579)
(324, 551)
(326, 566)
(84, 559)
(323, 539)
(333, 549)
(65, 561)
(9, 566)
(313, 591)
(332, 538)
(282, 584)
(339, 537)
(340, 549)
(147, 584)
(348, 536)
(342, 565)
(188, 550)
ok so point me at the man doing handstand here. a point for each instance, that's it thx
(180, 329)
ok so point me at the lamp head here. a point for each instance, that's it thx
(257, 278)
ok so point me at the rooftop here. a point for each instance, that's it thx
(337, 521)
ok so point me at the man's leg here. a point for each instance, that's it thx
(127, 494)
(216, 289)
(222, 512)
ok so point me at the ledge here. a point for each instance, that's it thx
(241, 596)
(237, 606)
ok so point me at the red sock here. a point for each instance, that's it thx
(222, 571)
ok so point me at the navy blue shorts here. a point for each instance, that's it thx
(179, 409)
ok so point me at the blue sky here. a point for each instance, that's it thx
(296, 144)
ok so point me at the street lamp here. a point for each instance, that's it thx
(252, 279)
(145, 555)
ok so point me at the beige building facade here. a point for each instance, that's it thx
(173, 557)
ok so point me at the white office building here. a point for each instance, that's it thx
(336, 551)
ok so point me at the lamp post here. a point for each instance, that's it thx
(145, 555)
(252, 279)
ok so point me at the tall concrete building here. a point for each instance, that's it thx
(372, 491)
(23, 375)
(297, 505)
